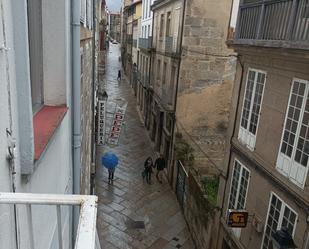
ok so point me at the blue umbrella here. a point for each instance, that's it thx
(109, 160)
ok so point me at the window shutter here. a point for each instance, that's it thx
(294, 148)
(89, 14)
(279, 215)
(83, 11)
(251, 107)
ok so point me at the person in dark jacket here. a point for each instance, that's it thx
(160, 164)
(119, 75)
(148, 169)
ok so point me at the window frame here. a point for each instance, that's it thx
(284, 164)
(158, 69)
(168, 25)
(35, 46)
(162, 21)
(237, 231)
(283, 206)
(244, 135)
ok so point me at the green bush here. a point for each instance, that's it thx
(210, 187)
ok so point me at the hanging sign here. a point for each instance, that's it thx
(101, 122)
(237, 218)
(117, 125)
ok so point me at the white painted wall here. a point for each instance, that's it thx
(53, 172)
(234, 13)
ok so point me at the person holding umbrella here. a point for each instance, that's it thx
(110, 161)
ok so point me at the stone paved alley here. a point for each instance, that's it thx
(129, 202)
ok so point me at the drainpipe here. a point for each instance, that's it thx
(233, 134)
(176, 92)
(93, 148)
(76, 112)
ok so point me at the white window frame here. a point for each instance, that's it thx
(83, 13)
(237, 231)
(287, 166)
(283, 205)
(244, 135)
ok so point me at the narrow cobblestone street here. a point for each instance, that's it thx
(132, 213)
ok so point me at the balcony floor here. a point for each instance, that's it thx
(129, 203)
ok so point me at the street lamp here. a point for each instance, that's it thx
(282, 239)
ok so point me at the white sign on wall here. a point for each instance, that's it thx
(116, 125)
(101, 122)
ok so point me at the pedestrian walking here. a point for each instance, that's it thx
(160, 165)
(148, 169)
(119, 75)
(111, 172)
(110, 161)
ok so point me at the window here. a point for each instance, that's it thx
(164, 73)
(279, 215)
(35, 52)
(239, 186)
(172, 83)
(239, 189)
(148, 30)
(294, 150)
(158, 69)
(251, 107)
(162, 25)
(83, 11)
(168, 24)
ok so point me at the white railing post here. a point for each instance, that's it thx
(30, 226)
(59, 227)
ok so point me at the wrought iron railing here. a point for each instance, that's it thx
(135, 43)
(145, 43)
(169, 44)
(86, 236)
(276, 20)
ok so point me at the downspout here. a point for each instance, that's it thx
(176, 92)
(93, 148)
(76, 112)
(233, 134)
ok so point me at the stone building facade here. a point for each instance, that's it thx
(144, 61)
(267, 161)
(191, 82)
(89, 83)
(114, 24)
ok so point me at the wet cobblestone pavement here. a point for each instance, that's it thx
(131, 213)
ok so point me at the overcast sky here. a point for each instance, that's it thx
(114, 5)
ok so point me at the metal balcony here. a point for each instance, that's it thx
(86, 236)
(274, 23)
(145, 43)
(135, 43)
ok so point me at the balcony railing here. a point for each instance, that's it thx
(130, 39)
(171, 45)
(86, 236)
(135, 43)
(145, 43)
(274, 20)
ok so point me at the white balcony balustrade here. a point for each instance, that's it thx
(86, 236)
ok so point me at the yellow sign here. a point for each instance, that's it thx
(237, 218)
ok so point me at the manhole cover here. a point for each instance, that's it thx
(135, 224)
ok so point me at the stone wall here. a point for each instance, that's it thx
(86, 112)
(200, 215)
(206, 78)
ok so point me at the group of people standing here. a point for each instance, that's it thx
(159, 165)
